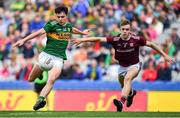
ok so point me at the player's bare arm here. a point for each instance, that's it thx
(89, 39)
(144, 33)
(77, 31)
(29, 37)
(160, 51)
(155, 47)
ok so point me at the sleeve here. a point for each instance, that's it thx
(109, 39)
(142, 41)
(49, 26)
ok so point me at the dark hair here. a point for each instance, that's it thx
(61, 8)
(125, 22)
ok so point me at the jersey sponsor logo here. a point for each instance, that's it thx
(58, 30)
(60, 36)
(127, 50)
(119, 44)
(64, 35)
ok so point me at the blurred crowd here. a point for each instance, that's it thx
(91, 61)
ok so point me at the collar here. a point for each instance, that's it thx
(125, 39)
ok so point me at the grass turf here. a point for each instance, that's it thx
(86, 114)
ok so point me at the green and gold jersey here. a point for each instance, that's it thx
(57, 38)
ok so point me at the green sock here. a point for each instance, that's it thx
(41, 97)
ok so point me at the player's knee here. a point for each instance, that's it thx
(31, 78)
(51, 81)
(127, 79)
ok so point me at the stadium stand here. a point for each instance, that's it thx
(160, 18)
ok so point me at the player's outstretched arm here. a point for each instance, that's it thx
(144, 33)
(160, 51)
(77, 31)
(89, 39)
(29, 37)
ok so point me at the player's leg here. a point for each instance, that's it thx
(121, 82)
(131, 73)
(37, 68)
(53, 75)
(132, 93)
(47, 99)
(35, 73)
(41, 86)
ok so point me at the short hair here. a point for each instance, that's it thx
(125, 22)
(61, 8)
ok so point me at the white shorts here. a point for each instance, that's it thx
(122, 71)
(47, 61)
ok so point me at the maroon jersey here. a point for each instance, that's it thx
(127, 51)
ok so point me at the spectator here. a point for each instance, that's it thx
(4, 71)
(129, 13)
(152, 32)
(28, 51)
(157, 25)
(36, 24)
(164, 19)
(80, 55)
(81, 7)
(169, 47)
(150, 73)
(102, 17)
(94, 71)
(175, 38)
(28, 13)
(176, 68)
(3, 27)
(149, 16)
(164, 72)
(77, 72)
(17, 5)
(109, 20)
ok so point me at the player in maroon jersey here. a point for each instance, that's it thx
(126, 47)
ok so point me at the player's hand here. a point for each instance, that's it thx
(18, 43)
(76, 41)
(86, 31)
(169, 59)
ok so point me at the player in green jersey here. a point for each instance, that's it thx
(51, 58)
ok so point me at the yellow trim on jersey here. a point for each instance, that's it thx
(60, 36)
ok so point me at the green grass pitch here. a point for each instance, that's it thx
(73, 114)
